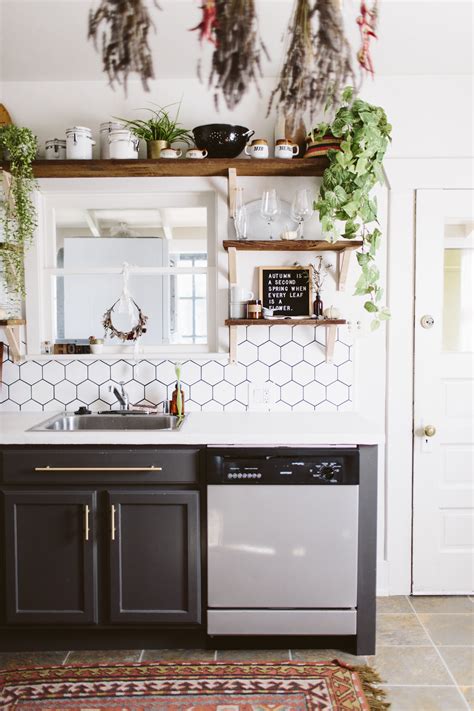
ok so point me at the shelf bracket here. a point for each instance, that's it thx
(330, 342)
(13, 339)
(232, 258)
(232, 180)
(232, 344)
(343, 261)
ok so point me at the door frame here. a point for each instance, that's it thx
(405, 176)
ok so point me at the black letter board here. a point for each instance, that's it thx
(286, 290)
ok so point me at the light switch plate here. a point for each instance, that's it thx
(261, 396)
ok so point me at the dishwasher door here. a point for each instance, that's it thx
(291, 546)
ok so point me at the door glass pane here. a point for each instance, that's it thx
(458, 300)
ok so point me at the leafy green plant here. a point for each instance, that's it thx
(18, 213)
(345, 193)
(160, 127)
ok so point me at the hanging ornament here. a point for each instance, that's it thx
(367, 22)
(125, 309)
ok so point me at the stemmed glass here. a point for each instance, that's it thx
(239, 215)
(301, 209)
(270, 207)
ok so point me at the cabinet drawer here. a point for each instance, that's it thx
(78, 465)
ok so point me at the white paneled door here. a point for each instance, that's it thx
(443, 503)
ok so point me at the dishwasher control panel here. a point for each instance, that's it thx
(326, 468)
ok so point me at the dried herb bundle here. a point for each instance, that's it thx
(318, 61)
(124, 37)
(236, 61)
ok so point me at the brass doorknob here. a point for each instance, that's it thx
(430, 430)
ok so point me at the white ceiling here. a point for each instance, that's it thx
(45, 40)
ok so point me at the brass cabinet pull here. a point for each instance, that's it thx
(86, 522)
(98, 469)
(113, 529)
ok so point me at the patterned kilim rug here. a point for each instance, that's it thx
(189, 686)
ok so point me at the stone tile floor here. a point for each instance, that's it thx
(425, 653)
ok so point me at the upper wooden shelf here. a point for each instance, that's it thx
(297, 245)
(177, 168)
(12, 322)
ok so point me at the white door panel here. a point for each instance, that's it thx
(443, 515)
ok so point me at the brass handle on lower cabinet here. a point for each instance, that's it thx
(113, 529)
(98, 469)
(87, 512)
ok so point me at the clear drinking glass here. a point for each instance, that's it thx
(239, 215)
(270, 207)
(301, 209)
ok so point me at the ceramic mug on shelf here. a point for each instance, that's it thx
(257, 149)
(196, 153)
(239, 294)
(284, 148)
(170, 153)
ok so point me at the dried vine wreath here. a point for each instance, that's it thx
(132, 335)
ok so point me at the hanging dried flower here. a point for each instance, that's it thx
(123, 27)
(367, 22)
(236, 61)
(207, 26)
(318, 61)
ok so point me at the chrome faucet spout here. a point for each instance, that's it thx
(121, 395)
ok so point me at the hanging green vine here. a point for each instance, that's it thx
(18, 213)
(345, 193)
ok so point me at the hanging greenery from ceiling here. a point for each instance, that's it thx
(122, 28)
(318, 61)
(232, 27)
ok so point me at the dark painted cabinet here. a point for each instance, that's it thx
(50, 557)
(100, 537)
(154, 556)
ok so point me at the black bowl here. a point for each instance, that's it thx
(222, 140)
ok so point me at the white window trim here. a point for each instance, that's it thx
(127, 193)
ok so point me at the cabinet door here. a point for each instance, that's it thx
(154, 556)
(50, 557)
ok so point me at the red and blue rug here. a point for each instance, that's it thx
(191, 686)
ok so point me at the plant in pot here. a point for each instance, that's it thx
(18, 212)
(159, 131)
(345, 204)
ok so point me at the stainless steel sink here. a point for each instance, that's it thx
(68, 422)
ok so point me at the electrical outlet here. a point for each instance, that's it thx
(261, 396)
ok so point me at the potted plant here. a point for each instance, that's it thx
(159, 131)
(96, 345)
(345, 205)
(18, 213)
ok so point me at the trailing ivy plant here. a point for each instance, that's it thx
(345, 204)
(18, 213)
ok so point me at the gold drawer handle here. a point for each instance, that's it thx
(98, 469)
(113, 529)
(86, 522)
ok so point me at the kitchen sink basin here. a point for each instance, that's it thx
(68, 422)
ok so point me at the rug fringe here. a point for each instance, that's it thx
(370, 679)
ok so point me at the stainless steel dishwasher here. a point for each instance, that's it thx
(283, 541)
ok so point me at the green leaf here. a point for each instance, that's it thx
(370, 307)
(347, 94)
(350, 208)
(340, 193)
(375, 325)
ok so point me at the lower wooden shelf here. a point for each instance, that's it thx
(330, 324)
(11, 327)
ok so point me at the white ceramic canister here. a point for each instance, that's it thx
(55, 149)
(123, 144)
(105, 129)
(79, 143)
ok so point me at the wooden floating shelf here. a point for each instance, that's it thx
(177, 168)
(11, 326)
(330, 324)
(284, 322)
(296, 245)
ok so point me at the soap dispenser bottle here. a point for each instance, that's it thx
(174, 401)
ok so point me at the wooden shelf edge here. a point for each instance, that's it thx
(284, 322)
(300, 245)
(12, 322)
(182, 167)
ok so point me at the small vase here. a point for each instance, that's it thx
(154, 148)
(318, 307)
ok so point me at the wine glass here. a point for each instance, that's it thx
(270, 207)
(301, 209)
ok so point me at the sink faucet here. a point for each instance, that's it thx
(121, 395)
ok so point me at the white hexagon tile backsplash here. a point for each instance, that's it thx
(293, 358)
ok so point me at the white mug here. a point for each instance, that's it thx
(195, 153)
(257, 149)
(170, 153)
(238, 294)
(286, 149)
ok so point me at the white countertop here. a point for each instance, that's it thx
(229, 428)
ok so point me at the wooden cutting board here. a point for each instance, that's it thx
(5, 117)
